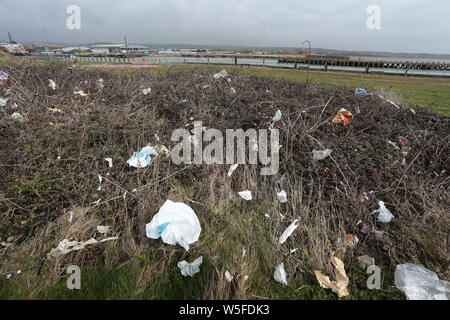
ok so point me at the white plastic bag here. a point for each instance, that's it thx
(146, 91)
(280, 274)
(287, 233)
(175, 222)
(321, 154)
(232, 168)
(52, 84)
(100, 84)
(384, 215)
(281, 196)
(419, 283)
(277, 116)
(3, 102)
(17, 116)
(189, 269)
(246, 195)
(221, 74)
(142, 159)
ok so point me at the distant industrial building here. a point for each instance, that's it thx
(119, 48)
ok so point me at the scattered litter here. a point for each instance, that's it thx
(403, 141)
(100, 179)
(175, 222)
(71, 216)
(365, 228)
(3, 77)
(362, 92)
(17, 116)
(267, 215)
(293, 250)
(393, 144)
(280, 274)
(189, 269)
(343, 116)
(109, 162)
(419, 283)
(6, 245)
(366, 261)
(15, 106)
(100, 84)
(146, 91)
(412, 110)
(8, 276)
(228, 276)
(81, 93)
(282, 197)
(103, 229)
(340, 285)
(184, 100)
(55, 110)
(233, 90)
(391, 102)
(66, 246)
(52, 84)
(321, 154)
(282, 217)
(3, 102)
(142, 159)
(246, 195)
(384, 215)
(220, 75)
(97, 202)
(287, 233)
(229, 79)
(277, 116)
(232, 168)
(351, 241)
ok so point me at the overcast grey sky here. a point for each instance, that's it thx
(406, 25)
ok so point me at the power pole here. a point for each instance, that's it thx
(126, 43)
(309, 57)
(10, 38)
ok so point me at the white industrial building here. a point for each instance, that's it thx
(118, 48)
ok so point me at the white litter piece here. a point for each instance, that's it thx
(321, 154)
(71, 216)
(233, 90)
(66, 246)
(97, 202)
(280, 274)
(384, 215)
(282, 197)
(175, 222)
(100, 84)
(146, 91)
(220, 75)
(353, 242)
(289, 230)
(232, 168)
(81, 93)
(366, 261)
(267, 215)
(3, 102)
(246, 195)
(229, 80)
(100, 179)
(103, 229)
(282, 217)
(277, 116)
(19, 272)
(17, 116)
(52, 84)
(8, 276)
(189, 269)
(419, 283)
(15, 106)
(142, 159)
(109, 162)
(228, 276)
(293, 250)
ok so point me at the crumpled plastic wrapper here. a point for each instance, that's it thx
(246, 195)
(343, 117)
(340, 285)
(66, 246)
(287, 233)
(384, 215)
(220, 75)
(280, 274)
(142, 159)
(189, 269)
